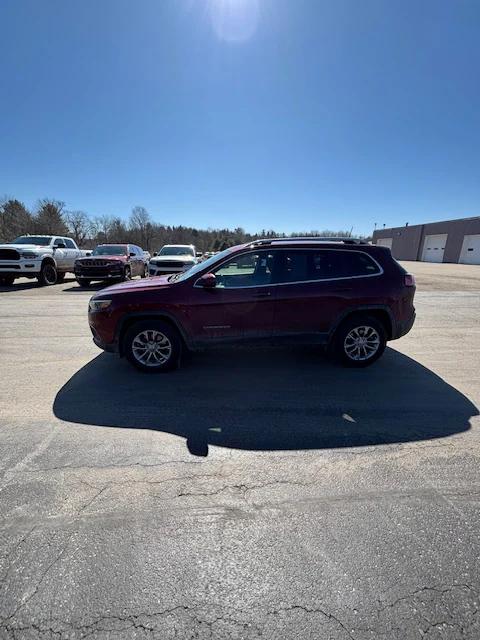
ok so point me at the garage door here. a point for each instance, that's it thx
(434, 247)
(470, 253)
(385, 242)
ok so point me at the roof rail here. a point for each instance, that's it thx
(344, 239)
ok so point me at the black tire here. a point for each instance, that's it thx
(48, 275)
(83, 282)
(347, 347)
(7, 281)
(151, 332)
(144, 273)
(127, 274)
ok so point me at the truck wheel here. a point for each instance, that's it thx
(7, 281)
(153, 346)
(48, 274)
(83, 282)
(359, 341)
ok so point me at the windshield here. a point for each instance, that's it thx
(110, 250)
(205, 265)
(41, 241)
(176, 251)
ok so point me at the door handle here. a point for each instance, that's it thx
(262, 294)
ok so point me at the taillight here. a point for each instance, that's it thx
(409, 280)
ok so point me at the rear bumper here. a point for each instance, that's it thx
(402, 327)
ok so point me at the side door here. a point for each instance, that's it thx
(240, 307)
(60, 253)
(71, 251)
(140, 261)
(316, 286)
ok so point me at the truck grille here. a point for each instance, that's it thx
(168, 263)
(96, 263)
(9, 254)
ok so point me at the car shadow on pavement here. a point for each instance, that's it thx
(31, 283)
(277, 399)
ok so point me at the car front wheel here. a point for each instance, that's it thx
(7, 281)
(153, 346)
(47, 275)
(360, 341)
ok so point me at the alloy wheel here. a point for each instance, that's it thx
(361, 343)
(151, 348)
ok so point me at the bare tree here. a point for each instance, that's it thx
(80, 226)
(140, 222)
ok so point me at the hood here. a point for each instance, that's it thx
(183, 258)
(25, 247)
(136, 285)
(117, 258)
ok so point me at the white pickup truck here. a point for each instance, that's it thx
(47, 258)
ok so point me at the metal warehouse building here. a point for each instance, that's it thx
(449, 241)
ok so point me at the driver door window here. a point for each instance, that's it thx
(247, 270)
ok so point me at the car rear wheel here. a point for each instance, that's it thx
(153, 346)
(359, 341)
(145, 271)
(127, 274)
(47, 275)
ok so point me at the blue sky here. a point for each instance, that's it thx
(285, 114)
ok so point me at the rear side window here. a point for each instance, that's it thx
(324, 264)
(69, 243)
(359, 264)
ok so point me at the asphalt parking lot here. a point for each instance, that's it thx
(251, 494)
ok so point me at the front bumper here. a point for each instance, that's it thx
(99, 273)
(159, 270)
(20, 268)
(110, 347)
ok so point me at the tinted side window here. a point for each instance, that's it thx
(359, 264)
(309, 265)
(69, 243)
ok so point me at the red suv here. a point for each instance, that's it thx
(345, 294)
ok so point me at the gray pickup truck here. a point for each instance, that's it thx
(47, 258)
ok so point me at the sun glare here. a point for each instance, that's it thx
(234, 20)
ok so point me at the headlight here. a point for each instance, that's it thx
(29, 255)
(98, 305)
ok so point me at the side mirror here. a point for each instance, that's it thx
(132, 254)
(89, 253)
(207, 281)
(60, 245)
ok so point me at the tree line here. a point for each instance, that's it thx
(50, 217)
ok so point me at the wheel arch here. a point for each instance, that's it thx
(380, 313)
(132, 318)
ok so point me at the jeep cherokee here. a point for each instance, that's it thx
(346, 294)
